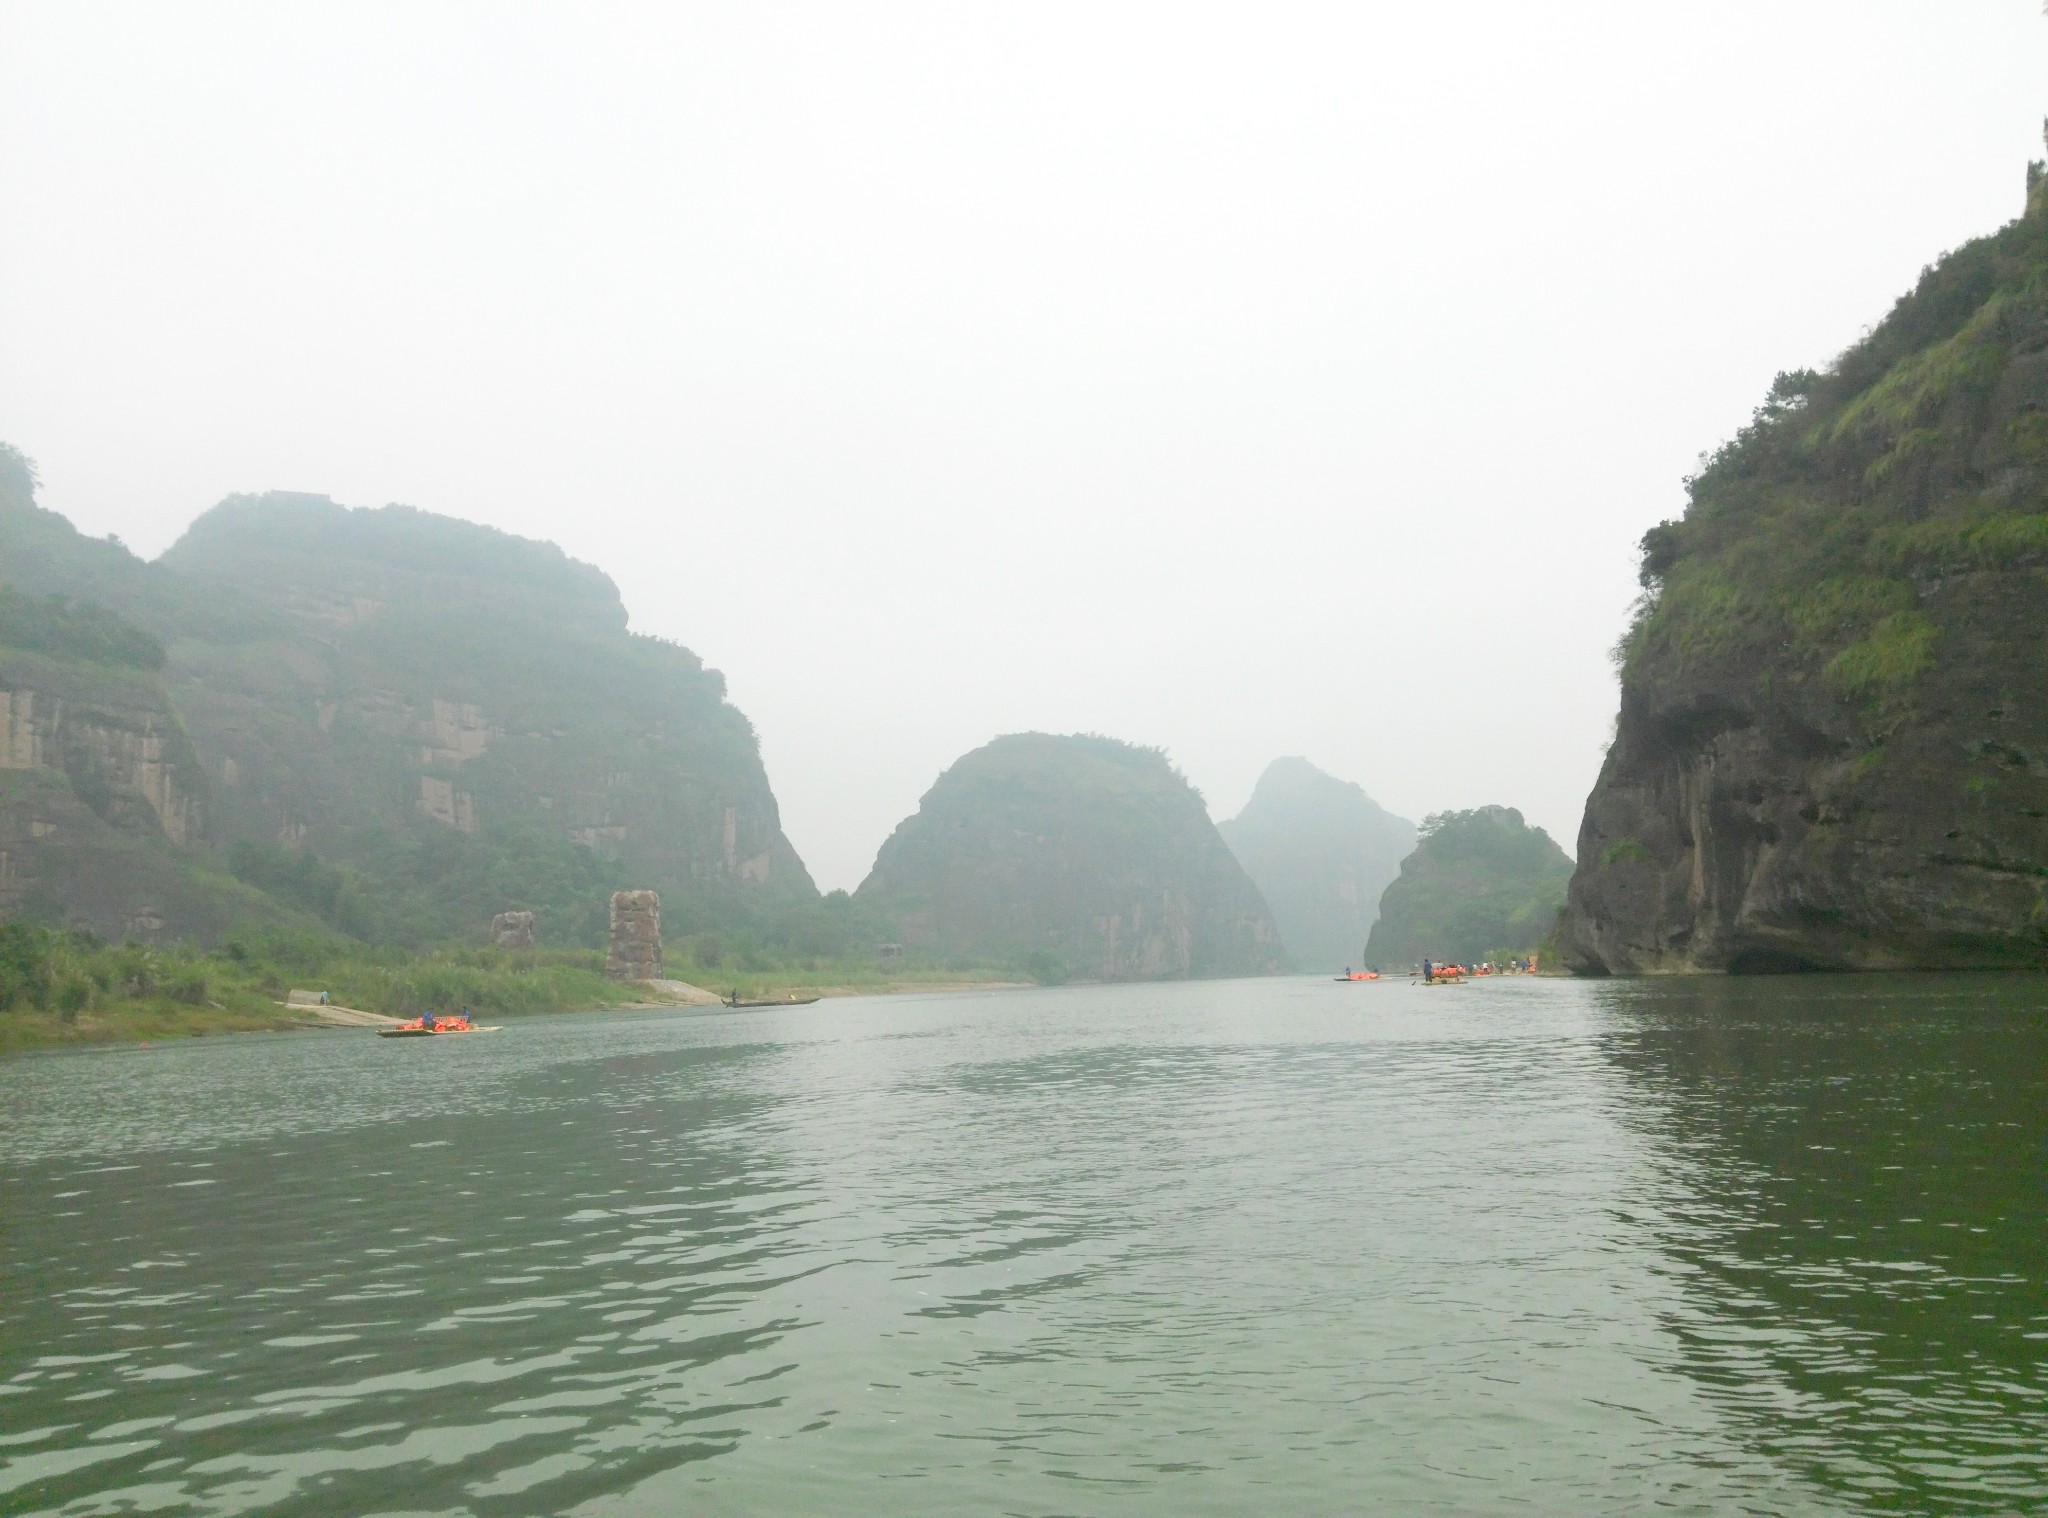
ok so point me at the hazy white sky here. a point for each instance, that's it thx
(1246, 380)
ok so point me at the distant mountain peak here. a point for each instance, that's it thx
(1321, 851)
(1072, 855)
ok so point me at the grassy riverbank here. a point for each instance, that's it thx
(64, 988)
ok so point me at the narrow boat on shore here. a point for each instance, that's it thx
(791, 1000)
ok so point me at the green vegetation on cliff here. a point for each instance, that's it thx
(1833, 745)
(1071, 857)
(1812, 535)
(1479, 884)
(56, 629)
(1320, 851)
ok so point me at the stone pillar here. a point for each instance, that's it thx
(635, 952)
(512, 930)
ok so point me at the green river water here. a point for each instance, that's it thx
(1288, 1246)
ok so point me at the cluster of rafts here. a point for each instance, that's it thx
(1430, 973)
(427, 1025)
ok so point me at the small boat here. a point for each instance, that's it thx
(1357, 975)
(791, 1000)
(420, 1028)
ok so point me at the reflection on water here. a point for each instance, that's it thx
(1853, 1171)
(1770, 1246)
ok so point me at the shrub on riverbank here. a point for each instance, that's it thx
(58, 987)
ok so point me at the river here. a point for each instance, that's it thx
(1773, 1245)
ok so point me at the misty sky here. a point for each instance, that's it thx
(1247, 381)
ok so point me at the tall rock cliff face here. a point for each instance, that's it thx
(419, 669)
(1074, 856)
(455, 719)
(1833, 743)
(1320, 851)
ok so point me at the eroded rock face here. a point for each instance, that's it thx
(110, 749)
(101, 794)
(514, 930)
(635, 951)
(1833, 744)
(1762, 824)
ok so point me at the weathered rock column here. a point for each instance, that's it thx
(635, 952)
(512, 930)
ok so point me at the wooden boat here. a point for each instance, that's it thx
(792, 1000)
(1358, 975)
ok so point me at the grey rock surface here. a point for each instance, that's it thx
(635, 946)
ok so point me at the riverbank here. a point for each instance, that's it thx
(59, 989)
(146, 1022)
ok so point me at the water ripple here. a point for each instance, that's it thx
(1279, 1245)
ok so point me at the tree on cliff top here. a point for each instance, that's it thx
(1918, 454)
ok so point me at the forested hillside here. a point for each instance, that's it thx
(1072, 856)
(388, 722)
(1479, 883)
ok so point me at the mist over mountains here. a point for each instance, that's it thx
(1320, 851)
(389, 721)
(391, 726)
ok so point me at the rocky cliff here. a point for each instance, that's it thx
(1075, 856)
(1833, 743)
(1320, 851)
(102, 798)
(407, 724)
(1479, 883)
